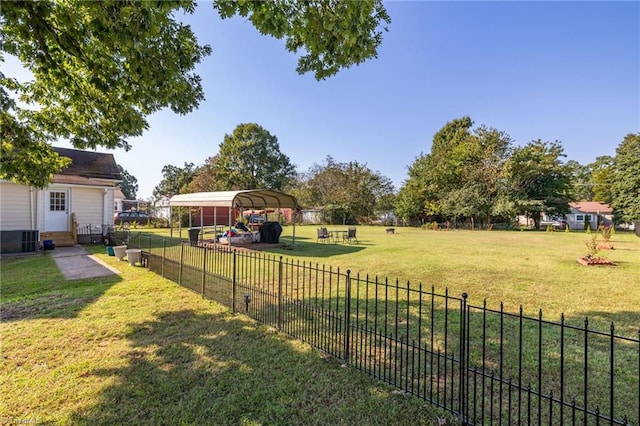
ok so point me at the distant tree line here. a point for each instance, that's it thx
(477, 176)
(480, 177)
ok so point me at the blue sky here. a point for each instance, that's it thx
(566, 71)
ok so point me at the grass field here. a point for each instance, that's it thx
(138, 349)
(535, 270)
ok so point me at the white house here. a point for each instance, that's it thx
(592, 211)
(118, 199)
(80, 196)
(162, 208)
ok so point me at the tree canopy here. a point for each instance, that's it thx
(175, 180)
(462, 176)
(538, 180)
(204, 180)
(348, 191)
(129, 184)
(625, 179)
(250, 158)
(100, 68)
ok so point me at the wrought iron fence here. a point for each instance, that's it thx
(484, 365)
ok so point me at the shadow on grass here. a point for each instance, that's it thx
(192, 368)
(494, 344)
(66, 302)
(312, 248)
(33, 287)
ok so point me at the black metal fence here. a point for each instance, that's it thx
(486, 366)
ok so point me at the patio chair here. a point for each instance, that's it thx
(350, 235)
(323, 235)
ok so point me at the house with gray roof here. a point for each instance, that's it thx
(80, 196)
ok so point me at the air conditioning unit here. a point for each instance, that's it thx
(19, 241)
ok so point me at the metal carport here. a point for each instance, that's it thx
(250, 199)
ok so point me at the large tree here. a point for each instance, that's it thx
(415, 200)
(347, 191)
(203, 180)
(101, 67)
(625, 182)
(250, 158)
(129, 184)
(538, 180)
(461, 178)
(601, 178)
(175, 180)
(581, 181)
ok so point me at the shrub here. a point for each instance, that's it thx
(160, 222)
(592, 247)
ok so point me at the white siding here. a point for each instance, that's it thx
(15, 209)
(108, 207)
(88, 205)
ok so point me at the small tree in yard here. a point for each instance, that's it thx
(592, 247)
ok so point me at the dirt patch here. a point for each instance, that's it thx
(595, 261)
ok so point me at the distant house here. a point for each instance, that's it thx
(161, 208)
(82, 195)
(118, 199)
(595, 213)
(312, 216)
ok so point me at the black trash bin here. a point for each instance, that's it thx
(270, 232)
(193, 236)
(636, 227)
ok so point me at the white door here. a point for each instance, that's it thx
(57, 210)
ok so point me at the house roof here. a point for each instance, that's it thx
(247, 199)
(88, 165)
(592, 207)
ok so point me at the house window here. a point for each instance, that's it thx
(579, 217)
(58, 201)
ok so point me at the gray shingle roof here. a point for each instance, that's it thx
(90, 164)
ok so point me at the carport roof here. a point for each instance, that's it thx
(246, 199)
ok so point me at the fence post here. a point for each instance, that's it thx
(181, 262)
(280, 298)
(233, 284)
(347, 318)
(462, 397)
(164, 255)
(204, 267)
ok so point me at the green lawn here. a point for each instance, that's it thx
(532, 269)
(537, 270)
(138, 349)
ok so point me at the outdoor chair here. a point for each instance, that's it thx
(350, 235)
(323, 235)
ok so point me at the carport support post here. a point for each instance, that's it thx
(293, 240)
(280, 307)
(201, 224)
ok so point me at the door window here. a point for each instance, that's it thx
(57, 201)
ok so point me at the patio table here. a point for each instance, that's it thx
(336, 235)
